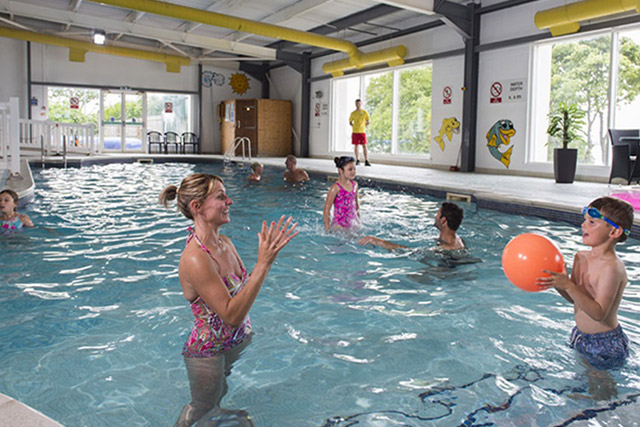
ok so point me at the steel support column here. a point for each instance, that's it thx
(470, 95)
(306, 105)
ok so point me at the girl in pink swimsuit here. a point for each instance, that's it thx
(9, 218)
(343, 196)
(218, 289)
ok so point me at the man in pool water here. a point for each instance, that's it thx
(294, 174)
(448, 220)
(596, 284)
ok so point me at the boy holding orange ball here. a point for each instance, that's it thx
(597, 281)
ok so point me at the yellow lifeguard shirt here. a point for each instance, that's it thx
(359, 120)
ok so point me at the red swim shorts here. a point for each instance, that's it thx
(359, 139)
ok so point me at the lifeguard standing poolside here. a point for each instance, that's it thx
(359, 120)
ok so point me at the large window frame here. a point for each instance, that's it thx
(189, 108)
(342, 104)
(541, 75)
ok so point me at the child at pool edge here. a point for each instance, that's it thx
(256, 167)
(9, 218)
(596, 284)
(343, 196)
(447, 221)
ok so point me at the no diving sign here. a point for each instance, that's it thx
(508, 91)
(446, 95)
(495, 91)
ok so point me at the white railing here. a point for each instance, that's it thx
(9, 140)
(231, 151)
(50, 137)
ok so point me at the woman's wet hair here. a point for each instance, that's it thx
(342, 161)
(196, 186)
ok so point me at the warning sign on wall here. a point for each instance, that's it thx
(515, 90)
(74, 102)
(496, 93)
(446, 95)
(168, 107)
(508, 91)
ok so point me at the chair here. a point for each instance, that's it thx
(155, 137)
(172, 138)
(190, 138)
(625, 149)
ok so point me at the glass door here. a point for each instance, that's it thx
(123, 122)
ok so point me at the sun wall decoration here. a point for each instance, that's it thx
(239, 83)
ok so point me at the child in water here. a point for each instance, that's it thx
(596, 284)
(256, 167)
(9, 218)
(343, 195)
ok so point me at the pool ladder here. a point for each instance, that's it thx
(231, 151)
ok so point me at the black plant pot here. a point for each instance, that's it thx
(564, 164)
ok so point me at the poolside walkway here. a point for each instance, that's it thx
(525, 192)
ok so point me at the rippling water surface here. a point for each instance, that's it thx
(92, 318)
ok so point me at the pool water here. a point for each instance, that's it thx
(93, 321)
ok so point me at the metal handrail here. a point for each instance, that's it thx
(231, 151)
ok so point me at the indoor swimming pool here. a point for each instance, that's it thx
(93, 321)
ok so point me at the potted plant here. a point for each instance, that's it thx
(565, 124)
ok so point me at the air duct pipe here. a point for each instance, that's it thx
(77, 48)
(238, 24)
(392, 56)
(564, 19)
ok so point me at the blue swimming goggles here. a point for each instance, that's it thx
(596, 214)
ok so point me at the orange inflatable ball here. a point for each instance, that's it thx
(526, 255)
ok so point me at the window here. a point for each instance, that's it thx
(583, 70)
(169, 112)
(84, 109)
(398, 103)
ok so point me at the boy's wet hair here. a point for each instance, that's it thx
(453, 213)
(291, 157)
(342, 161)
(255, 165)
(616, 210)
(11, 193)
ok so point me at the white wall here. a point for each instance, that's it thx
(51, 64)
(13, 72)
(448, 73)
(220, 91)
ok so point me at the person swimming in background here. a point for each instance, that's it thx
(257, 168)
(9, 218)
(219, 290)
(294, 174)
(343, 196)
(447, 221)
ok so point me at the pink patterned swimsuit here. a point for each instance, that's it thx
(344, 207)
(14, 223)
(210, 335)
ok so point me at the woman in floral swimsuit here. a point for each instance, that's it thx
(343, 196)
(218, 288)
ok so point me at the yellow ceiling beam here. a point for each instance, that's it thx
(77, 49)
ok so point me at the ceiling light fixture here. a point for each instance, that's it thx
(99, 37)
